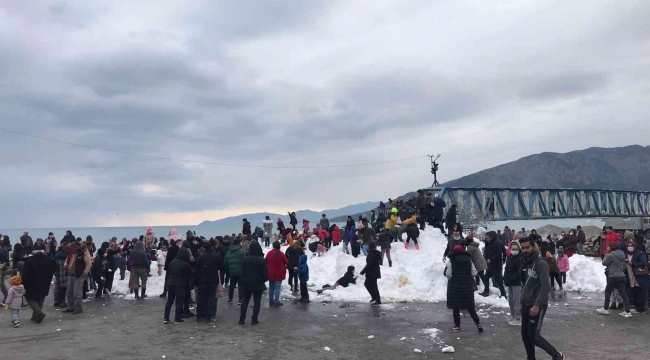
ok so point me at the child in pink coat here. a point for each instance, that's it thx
(562, 264)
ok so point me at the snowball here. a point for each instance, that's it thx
(371, 337)
(402, 339)
(417, 351)
(448, 349)
(327, 349)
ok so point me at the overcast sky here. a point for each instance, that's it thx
(298, 83)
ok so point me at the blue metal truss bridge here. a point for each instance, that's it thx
(527, 204)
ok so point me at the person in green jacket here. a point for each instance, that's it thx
(232, 262)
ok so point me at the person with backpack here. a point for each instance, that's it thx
(254, 274)
(233, 264)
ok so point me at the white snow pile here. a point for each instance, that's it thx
(585, 274)
(155, 283)
(416, 275)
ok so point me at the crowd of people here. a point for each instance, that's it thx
(522, 265)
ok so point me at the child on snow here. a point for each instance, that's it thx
(14, 299)
(303, 276)
(161, 261)
(554, 271)
(347, 279)
(562, 264)
(305, 226)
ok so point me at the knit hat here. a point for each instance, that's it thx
(458, 248)
(16, 280)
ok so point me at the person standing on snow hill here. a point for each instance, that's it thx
(512, 279)
(336, 235)
(390, 224)
(324, 222)
(254, 273)
(149, 239)
(268, 231)
(384, 243)
(372, 271)
(246, 228)
(450, 220)
(455, 238)
(412, 231)
(615, 263)
(494, 254)
(460, 287)
(280, 226)
(293, 220)
(534, 300)
(421, 207)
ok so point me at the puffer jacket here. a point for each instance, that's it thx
(179, 270)
(391, 221)
(563, 263)
(233, 260)
(477, 257)
(268, 228)
(615, 263)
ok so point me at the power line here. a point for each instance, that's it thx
(205, 162)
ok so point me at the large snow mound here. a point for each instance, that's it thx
(585, 274)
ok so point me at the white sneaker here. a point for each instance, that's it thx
(602, 311)
(515, 322)
(625, 314)
(509, 318)
(633, 311)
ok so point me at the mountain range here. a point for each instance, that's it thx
(621, 168)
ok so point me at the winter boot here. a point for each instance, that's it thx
(417, 246)
(163, 295)
(144, 295)
(137, 293)
(479, 328)
(485, 293)
(406, 246)
(390, 263)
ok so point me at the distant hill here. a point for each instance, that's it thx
(623, 168)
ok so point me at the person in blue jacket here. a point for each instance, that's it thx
(303, 276)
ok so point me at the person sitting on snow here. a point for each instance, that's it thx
(347, 279)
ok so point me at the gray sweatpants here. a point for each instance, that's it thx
(514, 300)
(75, 292)
(15, 314)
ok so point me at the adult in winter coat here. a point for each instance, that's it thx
(277, 263)
(254, 273)
(349, 223)
(68, 238)
(637, 284)
(37, 277)
(293, 254)
(149, 239)
(372, 271)
(99, 270)
(421, 206)
(223, 249)
(615, 263)
(450, 220)
(206, 279)
(78, 266)
(180, 272)
(246, 228)
(478, 260)
(494, 255)
(172, 252)
(581, 240)
(139, 269)
(438, 209)
(512, 279)
(27, 243)
(460, 287)
(547, 246)
(324, 222)
(455, 238)
(268, 231)
(293, 219)
(233, 264)
(281, 226)
(336, 235)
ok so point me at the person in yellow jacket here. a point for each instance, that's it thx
(390, 225)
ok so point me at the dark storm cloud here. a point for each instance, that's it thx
(566, 85)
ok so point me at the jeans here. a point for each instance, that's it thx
(364, 249)
(175, 293)
(246, 298)
(497, 276)
(514, 300)
(37, 307)
(373, 289)
(205, 298)
(617, 283)
(234, 280)
(472, 313)
(531, 326)
(293, 279)
(275, 288)
(304, 294)
(580, 248)
(74, 292)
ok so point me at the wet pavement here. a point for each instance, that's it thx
(119, 329)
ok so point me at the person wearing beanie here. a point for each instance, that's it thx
(14, 301)
(372, 271)
(554, 271)
(460, 288)
(37, 277)
(277, 267)
(254, 274)
(562, 264)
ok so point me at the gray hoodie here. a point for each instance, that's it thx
(615, 262)
(536, 282)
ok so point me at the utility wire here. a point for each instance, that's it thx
(206, 162)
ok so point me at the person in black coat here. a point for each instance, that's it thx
(246, 228)
(293, 256)
(450, 220)
(372, 272)
(206, 278)
(38, 271)
(254, 274)
(460, 288)
(172, 252)
(293, 219)
(494, 255)
(512, 279)
(179, 271)
(223, 249)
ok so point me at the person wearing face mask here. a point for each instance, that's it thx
(534, 300)
(637, 277)
(512, 279)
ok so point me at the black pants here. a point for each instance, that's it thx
(224, 277)
(234, 280)
(617, 283)
(356, 250)
(304, 294)
(497, 274)
(408, 238)
(205, 298)
(555, 277)
(481, 277)
(293, 279)
(176, 293)
(472, 313)
(100, 287)
(423, 218)
(166, 278)
(108, 284)
(246, 298)
(373, 289)
(531, 326)
(563, 276)
(267, 241)
(188, 296)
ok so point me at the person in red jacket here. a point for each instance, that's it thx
(336, 235)
(276, 262)
(612, 237)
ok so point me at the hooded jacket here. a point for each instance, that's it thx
(234, 259)
(37, 275)
(15, 297)
(277, 263)
(303, 269)
(372, 269)
(512, 275)
(336, 235)
(206, 273)
(139, 257)
(179, 270)
(254, 271)
(536, 282)
(615, 263)
(268, 228)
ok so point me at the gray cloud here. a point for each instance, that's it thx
(566, 85)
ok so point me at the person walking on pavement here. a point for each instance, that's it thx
(206, 278)
(37, 277)
(615, 262)
(535, 288)
(233, 264)
(254, 273)
(494, 255)
(372, 271)
(179, 272)
(78, 266)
